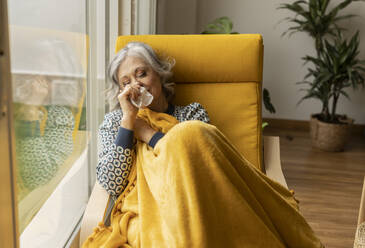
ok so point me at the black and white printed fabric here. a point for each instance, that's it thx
(117, 149)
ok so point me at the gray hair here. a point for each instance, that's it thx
(144, 51)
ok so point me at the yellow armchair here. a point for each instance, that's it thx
(224, 74)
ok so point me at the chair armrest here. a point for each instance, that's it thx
(94, 212)
(359, 234)
(361, 217)
(272, 159)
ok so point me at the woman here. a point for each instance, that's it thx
(43, 133)
(177, 180)
(45, 109)
(133, 67)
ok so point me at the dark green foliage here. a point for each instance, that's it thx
(222, 25)
(264, 124)
(314, 18)
(267, 101)
(336, 66)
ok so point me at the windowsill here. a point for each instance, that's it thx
(54, 222)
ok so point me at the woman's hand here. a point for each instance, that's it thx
(129, 110)
(142, 130)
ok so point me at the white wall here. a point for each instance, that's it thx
(282, 56)
(176, 16)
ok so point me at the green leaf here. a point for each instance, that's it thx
(222, 25)
(303, 82)
(344, 17)
(267, 101)
(359, 68)
(336, 64)
(324, 5)
(342, 92)
(339, 7)
(295, 29)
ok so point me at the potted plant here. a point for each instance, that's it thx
(336, 67)
(224, 25)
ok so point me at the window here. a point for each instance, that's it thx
(49, 51)
(58, 53)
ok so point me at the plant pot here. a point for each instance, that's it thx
(330, 137)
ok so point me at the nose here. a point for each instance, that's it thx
(137, 84)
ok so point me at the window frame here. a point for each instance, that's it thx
(8, 206)
(121, 17)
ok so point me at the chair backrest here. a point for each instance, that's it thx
(224, 74)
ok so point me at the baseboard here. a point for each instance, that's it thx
(300, 125)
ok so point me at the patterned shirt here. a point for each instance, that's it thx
(118, 147)
(39, 155)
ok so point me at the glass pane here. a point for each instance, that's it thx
(48, 47)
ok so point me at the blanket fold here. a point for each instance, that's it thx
(194, 189)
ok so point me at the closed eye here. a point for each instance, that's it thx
(141, 74)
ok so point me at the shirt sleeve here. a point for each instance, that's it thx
(116, 155)
(155, 138)
(124, 138)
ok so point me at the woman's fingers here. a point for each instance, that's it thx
(125, 93)
(136, 93)
(130, 92)
(125, 97)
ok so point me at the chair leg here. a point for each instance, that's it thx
(272, 160)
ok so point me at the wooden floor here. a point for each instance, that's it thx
(328, 185)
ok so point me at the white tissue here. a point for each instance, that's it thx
(144, 99)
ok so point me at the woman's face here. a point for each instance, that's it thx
(32, 90)
(136, 72)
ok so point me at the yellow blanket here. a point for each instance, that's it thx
(194, 189)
